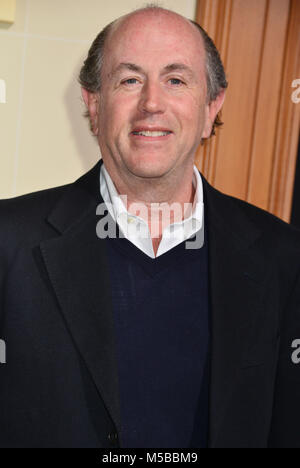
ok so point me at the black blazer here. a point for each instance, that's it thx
(59, 386)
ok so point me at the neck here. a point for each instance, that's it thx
(159, 201)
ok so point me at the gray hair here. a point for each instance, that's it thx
(90, 73)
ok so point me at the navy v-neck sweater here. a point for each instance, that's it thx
(161, 320)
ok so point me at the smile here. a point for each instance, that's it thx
(151, 134)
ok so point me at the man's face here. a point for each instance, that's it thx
(152, 108)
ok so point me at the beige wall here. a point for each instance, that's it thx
(44, 138)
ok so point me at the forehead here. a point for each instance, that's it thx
(155, 38)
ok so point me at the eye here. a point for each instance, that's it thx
(130, 81)
(176, 81)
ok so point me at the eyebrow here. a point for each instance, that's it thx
(127, 66)
(167, 69)
(179, 67)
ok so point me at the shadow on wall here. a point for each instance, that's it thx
(79, 125)
(4, 25)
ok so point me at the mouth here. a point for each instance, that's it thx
(151, 134)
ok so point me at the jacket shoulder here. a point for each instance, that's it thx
(32, 206)
(23, 218)
(271, 227)
(270, 224)
(274, 241)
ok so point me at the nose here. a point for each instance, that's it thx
(152, 99)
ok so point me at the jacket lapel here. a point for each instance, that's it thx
(78, 270)
(237, 275)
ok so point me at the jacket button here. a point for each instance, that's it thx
(112, 437)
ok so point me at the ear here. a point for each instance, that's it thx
(92, 103)
(212, 110)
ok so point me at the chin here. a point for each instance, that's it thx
(149, 169)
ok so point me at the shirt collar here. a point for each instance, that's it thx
(117, 207)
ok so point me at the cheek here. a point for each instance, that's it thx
(116, 115)
(198, 112)
(109, 120)
(193, 116)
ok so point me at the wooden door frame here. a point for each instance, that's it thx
(277, 170)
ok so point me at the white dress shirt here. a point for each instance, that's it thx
(136, 230)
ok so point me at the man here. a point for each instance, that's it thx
(145, 337)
